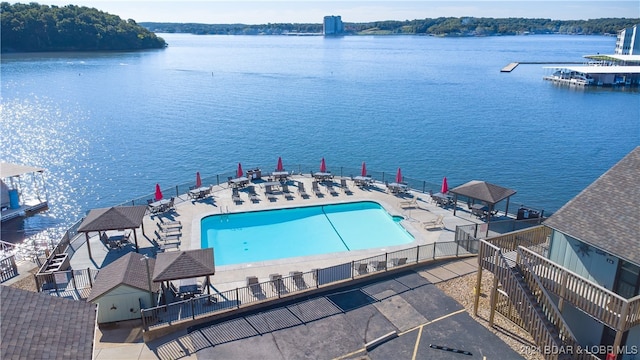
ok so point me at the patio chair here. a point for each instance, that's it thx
(235, 196)
(298, 279)
(173, 224)
(169, 206)
(406, 204)
(379, 265)
(253, 196)
(302, 191)
(331, 189)
(361, 268)
(399, 261)
(269, 192)
(254, 286)
(345, 187)
(316, 189)
(169, 230)
(287, 193)
(435, 223)
(277, 283)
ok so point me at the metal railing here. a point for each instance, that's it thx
(63, 282)
(208, 305)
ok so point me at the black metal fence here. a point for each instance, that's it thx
(296, 282)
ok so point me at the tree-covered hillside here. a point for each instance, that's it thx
(450, 26)
(34, 27)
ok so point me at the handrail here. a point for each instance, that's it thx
(535, 324)
(597, 301)
(549, 307)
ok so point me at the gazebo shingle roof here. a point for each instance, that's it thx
(484, 191)
(186, 264)
(605, 214)
(39, 326)
(113, 218)
(128, 270)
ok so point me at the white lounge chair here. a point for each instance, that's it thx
(406, 204)
(435, 223)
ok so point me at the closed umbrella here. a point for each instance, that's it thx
(198, 180)
(158, 193)
(399, 176)
(279, 167)
(323, 166)
(364, 169)
(445, 186)
(239, 170)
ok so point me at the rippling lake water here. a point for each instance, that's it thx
(108, 126)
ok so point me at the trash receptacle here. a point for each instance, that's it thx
(14, 200)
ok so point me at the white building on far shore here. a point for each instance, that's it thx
(628, 41)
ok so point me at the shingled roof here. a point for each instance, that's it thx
(128, 270)
(186, 264)
(484, 191)
(605, 214)
(39, 326)
(113, 218)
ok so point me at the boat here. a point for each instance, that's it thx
(22, 191)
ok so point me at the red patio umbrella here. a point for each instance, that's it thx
(323, 166)
(279, 167)
(445, 186)
(158, 192)
(364, 169)
(198, 180)
(399, 176)
(239, 170)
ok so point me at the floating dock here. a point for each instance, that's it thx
(510, 67)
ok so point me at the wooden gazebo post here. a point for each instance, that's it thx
(86, 235)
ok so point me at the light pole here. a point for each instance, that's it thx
(146, 261)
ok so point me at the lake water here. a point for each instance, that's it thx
(108, 126)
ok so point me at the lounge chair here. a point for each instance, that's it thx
(302, 191)
(169, 230)
(345, 187)
(254, 286)
(253, 196)
(331, 189)
(277, 283)
(269, 192)
(361, 268)
(316, 189)
(379, 265)
(168, 238)
(235, 196)
(435, 223)
(174, 224)
(399, 261)
(406, 204)
(298, 279)
(287, 193)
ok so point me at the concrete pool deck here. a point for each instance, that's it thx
(189, 212)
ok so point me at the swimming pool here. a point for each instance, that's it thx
(283, 233)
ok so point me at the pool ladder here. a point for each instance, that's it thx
(223, 212)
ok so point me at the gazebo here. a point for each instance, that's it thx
(177, 265)
(113, 218)
(490, 194)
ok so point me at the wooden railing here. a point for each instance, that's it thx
(602, 304)
(549, 308)
(532, 237)
(529, 314)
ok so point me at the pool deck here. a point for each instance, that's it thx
(189, 212)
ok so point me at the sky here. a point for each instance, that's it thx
(313, 11)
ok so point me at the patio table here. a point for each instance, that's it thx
(239, 182)
(322, 176)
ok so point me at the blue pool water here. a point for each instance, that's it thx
(284, 233)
